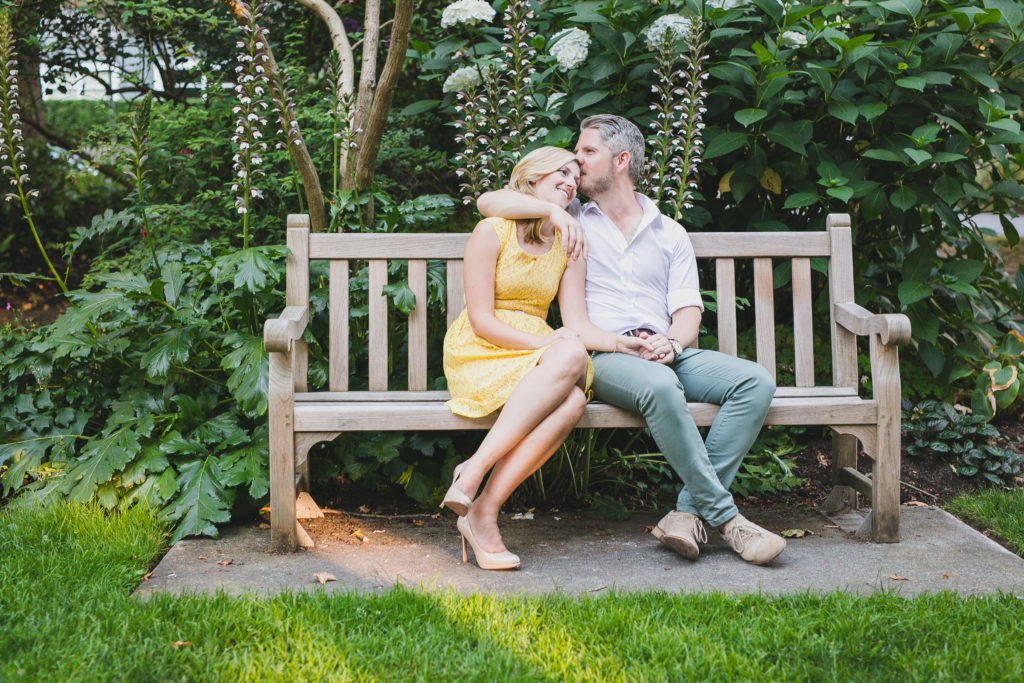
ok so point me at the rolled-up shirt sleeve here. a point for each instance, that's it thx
(683, 285)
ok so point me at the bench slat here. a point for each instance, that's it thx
(442, 396)
(337, 378)
(764, 314)
(725, 284)
(398, 246)
(451, 246)
(759, 244)
(840, 283)
(433, 415)
(418, 326)
(455, 302)
(378, 314)
(803, 335)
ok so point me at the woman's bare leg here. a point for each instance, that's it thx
(560, 369)
(522, 461)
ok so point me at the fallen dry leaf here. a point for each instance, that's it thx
(796, 533)
(147, 577)
(225, 563)
(417, 522)
(823, 459)
(181, 643)
(523, 515)
(897, 577)
(201, 557)
(324, 577)
(264, 525)
(357, 534)
(648, 529)
(364, 508)
(915, 504)
(945, 576)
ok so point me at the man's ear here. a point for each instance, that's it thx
(622, 161)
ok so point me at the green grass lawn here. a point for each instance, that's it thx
(998, 510)
(66, 614)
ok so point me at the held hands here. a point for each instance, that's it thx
(634, 346)
(660, 349)
(574, 244)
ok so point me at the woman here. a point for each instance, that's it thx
(500, 353)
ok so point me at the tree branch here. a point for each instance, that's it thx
(374, 126)
(339, 39)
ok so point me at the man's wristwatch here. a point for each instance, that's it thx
(677, 348)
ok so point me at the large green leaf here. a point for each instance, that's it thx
(171, 347)
(903, 198)
(203, 502)
(21, 457)
(792, 134)
(100, 460)
(910, 292)
(248, 466)
(909, 7)
(746, 117)
(844, 111)
(249, 369)
(722, 142)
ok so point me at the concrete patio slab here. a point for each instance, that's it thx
(577, 553)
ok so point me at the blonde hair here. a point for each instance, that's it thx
(531, 168)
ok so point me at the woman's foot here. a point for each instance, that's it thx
(502, 559)
(455, 499)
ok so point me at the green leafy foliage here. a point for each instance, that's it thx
(765, 469)
(933, 427)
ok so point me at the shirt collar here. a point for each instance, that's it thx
(651, 211)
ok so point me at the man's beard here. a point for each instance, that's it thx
(593, 186)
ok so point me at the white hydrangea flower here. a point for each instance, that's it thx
(723, 4)
(676, 25)
(466, 12)
(462, 79)
(570, 48)
(794, 38)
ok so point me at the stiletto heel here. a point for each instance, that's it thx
(456, 501)
(484, 559)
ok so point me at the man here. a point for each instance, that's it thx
(641, 280)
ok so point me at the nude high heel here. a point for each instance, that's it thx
(456, 501)
(484, 559)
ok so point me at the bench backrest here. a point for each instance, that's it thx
(764, 248)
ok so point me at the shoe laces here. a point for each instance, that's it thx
(699, 531)
(739, 533)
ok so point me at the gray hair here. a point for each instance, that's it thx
(621, 135)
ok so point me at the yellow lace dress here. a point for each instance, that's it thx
(481, 375)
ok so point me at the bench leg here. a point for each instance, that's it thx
(885, 475)
(283, 535)
(844, 454)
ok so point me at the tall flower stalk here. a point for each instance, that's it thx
(138, 132)
(471, 108)
(520, 57)
(675, 143)
(12, 142)
(251, 115)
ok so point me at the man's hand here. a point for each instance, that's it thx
(574, 243)
(661, 349)
(634, 346)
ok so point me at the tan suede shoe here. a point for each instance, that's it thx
(754, 544)
(681, 531)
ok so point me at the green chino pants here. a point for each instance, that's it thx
(659, 393)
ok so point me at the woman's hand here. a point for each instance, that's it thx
(560, 333)
(574, 243)
(634, 346)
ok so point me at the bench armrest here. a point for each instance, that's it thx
(892, 328)
(280, 332)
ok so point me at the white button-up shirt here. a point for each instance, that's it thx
(642, 283)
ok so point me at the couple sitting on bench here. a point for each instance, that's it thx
(634, 301)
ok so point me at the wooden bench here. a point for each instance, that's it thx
(300, 418)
